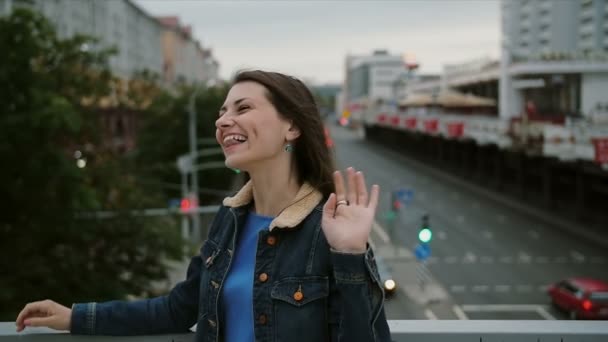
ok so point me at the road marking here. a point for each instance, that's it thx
(506, 259)
(450, 260)
(458, 288)
(523, 257)
(542, 311)
(542, 260)
(432, 260)
(501, 307)
(534, 234)
(442, 235)
(459, 313)
(578, 257)
(429, 314)
(480, 288)
(561, 260)
(543, 288)
(381, 232)
(487, 259)
(469, 258)
(502, 288)
(524, 288)
(487, 234)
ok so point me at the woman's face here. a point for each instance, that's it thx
(249, 128)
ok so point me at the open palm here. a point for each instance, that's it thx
(348, 214)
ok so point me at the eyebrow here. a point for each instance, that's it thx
(236, 103)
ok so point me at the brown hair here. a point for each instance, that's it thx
(294, 101)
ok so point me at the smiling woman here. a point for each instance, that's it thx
(286, 258)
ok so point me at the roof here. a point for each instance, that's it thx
(590, 284)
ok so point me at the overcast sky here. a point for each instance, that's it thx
(310, 39)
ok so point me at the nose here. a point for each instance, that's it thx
(224, 121)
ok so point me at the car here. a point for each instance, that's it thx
(388, 282)
(581, 298)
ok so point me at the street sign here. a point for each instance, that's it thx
(184, 163)
(422, 251)
(405, 195)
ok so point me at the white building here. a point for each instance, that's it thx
(555, 54)
(370, 79)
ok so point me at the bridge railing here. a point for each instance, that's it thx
(402, 330)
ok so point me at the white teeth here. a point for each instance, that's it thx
(236, 137)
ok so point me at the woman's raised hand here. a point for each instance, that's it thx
(45, 313)
(348, 214)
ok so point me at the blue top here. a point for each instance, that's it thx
(237, 296)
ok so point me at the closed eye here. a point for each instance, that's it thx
(243, 108)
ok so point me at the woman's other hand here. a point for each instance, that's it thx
(348, 214)
(45, 313)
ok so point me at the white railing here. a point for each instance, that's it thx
(402, 330)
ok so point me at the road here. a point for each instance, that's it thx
(488, 261)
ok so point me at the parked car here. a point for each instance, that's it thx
(581, 298)
(388, 282)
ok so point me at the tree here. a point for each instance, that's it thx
(164, 136)
(48, 248)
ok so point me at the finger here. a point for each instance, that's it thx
(339, 183)
(27, 311)
(361, 189)
(330, 205)
(39, 321)
(373, 198)
(351, 192)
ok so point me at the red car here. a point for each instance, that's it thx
(582, 298)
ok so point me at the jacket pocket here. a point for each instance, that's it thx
(300, 308)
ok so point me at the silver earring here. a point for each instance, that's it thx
(288, 147)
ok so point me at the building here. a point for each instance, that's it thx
(184, 58)
(371, 79)
(554, 57)
(143, 41)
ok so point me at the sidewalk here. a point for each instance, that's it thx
(432, 298)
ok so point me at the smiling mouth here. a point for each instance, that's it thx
(233, 139)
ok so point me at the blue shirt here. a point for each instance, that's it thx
(237, 296)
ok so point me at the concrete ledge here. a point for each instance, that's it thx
(402, 330)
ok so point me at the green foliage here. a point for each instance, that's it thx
(46, 249)
(164, 136)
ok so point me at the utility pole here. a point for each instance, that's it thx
(193, 153)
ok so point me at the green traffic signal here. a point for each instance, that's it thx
(425, 235)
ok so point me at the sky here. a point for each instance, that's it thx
(310, 38)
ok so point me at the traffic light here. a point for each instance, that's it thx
(185, 205)
(395, 202)
(425, 234)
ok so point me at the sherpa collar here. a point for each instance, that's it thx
(305, 202)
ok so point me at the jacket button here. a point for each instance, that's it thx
(271, 240)
(262, 319)
(263, 277)
(298, 296)
(212, 323)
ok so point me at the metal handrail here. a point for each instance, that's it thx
(401, 330)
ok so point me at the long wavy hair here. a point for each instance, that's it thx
(294, 102)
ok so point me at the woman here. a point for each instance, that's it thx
(286, 258)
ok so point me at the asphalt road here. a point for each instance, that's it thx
(489, 261)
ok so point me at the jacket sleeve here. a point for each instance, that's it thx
(357, 299)
(172, 313)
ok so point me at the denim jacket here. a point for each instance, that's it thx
(302, 289)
